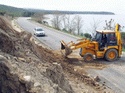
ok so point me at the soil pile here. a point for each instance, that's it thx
(10, 83)
(68, 66)
(21, 71)
(6, 36)
(27, 67)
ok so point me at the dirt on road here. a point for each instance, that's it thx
(26, 66)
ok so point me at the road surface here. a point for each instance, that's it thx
(113, 75)
(52, 38)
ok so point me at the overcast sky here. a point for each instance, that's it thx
(116, 6)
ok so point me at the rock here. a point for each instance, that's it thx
(75, 69)
(37, 84)
(2, 57)
(27, 78)
(21, 59)
(55, 73)
(97, 79)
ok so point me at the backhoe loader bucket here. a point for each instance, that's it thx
(67, 49)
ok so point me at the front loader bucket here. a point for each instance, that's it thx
(62, 46)
(67, 49)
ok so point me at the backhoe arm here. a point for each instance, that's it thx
(72, 46)
(79, 45)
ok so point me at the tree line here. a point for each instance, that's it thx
(16, 12)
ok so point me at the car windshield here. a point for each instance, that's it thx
(39, 29)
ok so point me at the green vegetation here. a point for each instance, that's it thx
(16, 12)
(27, 14)
(87, 35)
(72, 12)
(11, 10)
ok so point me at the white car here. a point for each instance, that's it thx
(38, 31)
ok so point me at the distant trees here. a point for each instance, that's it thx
(110, 25)
(67, 23)
(2, 13)
(56, 21)
(93, 27)
(28, 14)
(63, 22)
(39, 17)
(87, 35)
(70, 24)
(78, 23)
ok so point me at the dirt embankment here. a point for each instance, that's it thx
(27, 67)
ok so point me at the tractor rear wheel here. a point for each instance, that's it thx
(88, 57)
(111, 55)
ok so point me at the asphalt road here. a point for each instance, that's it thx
(52, 38)
(113, 75)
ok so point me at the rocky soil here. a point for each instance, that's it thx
(27, 66)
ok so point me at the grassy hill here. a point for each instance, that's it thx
(11, 10)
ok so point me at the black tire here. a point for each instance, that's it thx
(111, 55)
(88, 57)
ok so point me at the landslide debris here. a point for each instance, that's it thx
(6, 37)
(27, 67)
(21, 71)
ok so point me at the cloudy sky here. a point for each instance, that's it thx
(116, 6)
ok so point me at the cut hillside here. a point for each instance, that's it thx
(27, 67)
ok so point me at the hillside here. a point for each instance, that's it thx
(71, 12)
(14, 11)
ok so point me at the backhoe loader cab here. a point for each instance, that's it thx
(105, 38)
(107, 44)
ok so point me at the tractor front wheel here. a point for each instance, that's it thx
(88, 57)
(111, 55)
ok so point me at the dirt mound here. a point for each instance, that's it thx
(6, 43)
(55, 73)
(10, 83)
(67, 65)
(5, 25)
(21, 71)
(45, 54)
(11, 41)
(7, 36)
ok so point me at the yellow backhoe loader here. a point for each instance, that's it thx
(107, 44)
